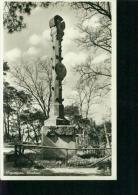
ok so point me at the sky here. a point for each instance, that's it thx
(35, 41)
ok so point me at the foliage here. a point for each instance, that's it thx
(106, 164)
(21, 121)
(5, 67)
(77, 161)
(96, 133)
(8, 96)
(71, 111)
(14, 103)
(32, 122)
(82, 125)
(13, 19)
(102, 134)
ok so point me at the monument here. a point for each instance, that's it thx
(56, 116)
(57, 131)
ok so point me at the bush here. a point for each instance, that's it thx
(77, 161)
(104, 164)
(23, 161)
(90, 154)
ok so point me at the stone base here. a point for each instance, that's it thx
(60, 121)
(59, 137)
(55, 121)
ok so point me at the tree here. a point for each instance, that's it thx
(35, 79)
(76, 119)
(104, 133)
(14, 103)
(71, 110)
(13, 18)
(100, 8)
(107, 137)
(99, 37)
(8, 98)
(5, 68)
(100, 71)
(21, 102)
(21, 120)
(32, 122)
(87, 94)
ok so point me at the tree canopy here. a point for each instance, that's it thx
(13, 19)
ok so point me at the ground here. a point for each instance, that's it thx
(75, 166)
(10, 170)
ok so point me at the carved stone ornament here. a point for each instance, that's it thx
(60, 71)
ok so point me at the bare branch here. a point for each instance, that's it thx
(32, 79)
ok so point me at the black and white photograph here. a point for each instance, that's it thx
(59, 90)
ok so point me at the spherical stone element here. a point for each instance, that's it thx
(60, 71)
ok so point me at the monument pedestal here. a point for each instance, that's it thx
(56, 121)
(58, 139)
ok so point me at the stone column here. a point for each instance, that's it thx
(59, 71)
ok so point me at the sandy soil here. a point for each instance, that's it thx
(66, 171)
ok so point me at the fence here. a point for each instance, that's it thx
(60, 153)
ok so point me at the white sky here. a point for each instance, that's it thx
(35, 41)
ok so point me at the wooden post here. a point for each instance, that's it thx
(15, 153)
(107, 139)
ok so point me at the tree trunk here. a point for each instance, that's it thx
(5, 126)
(36, 136)
(107, 139)
(19, 127)
(8, 125)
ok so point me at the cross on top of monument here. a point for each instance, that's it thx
(58, 22)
